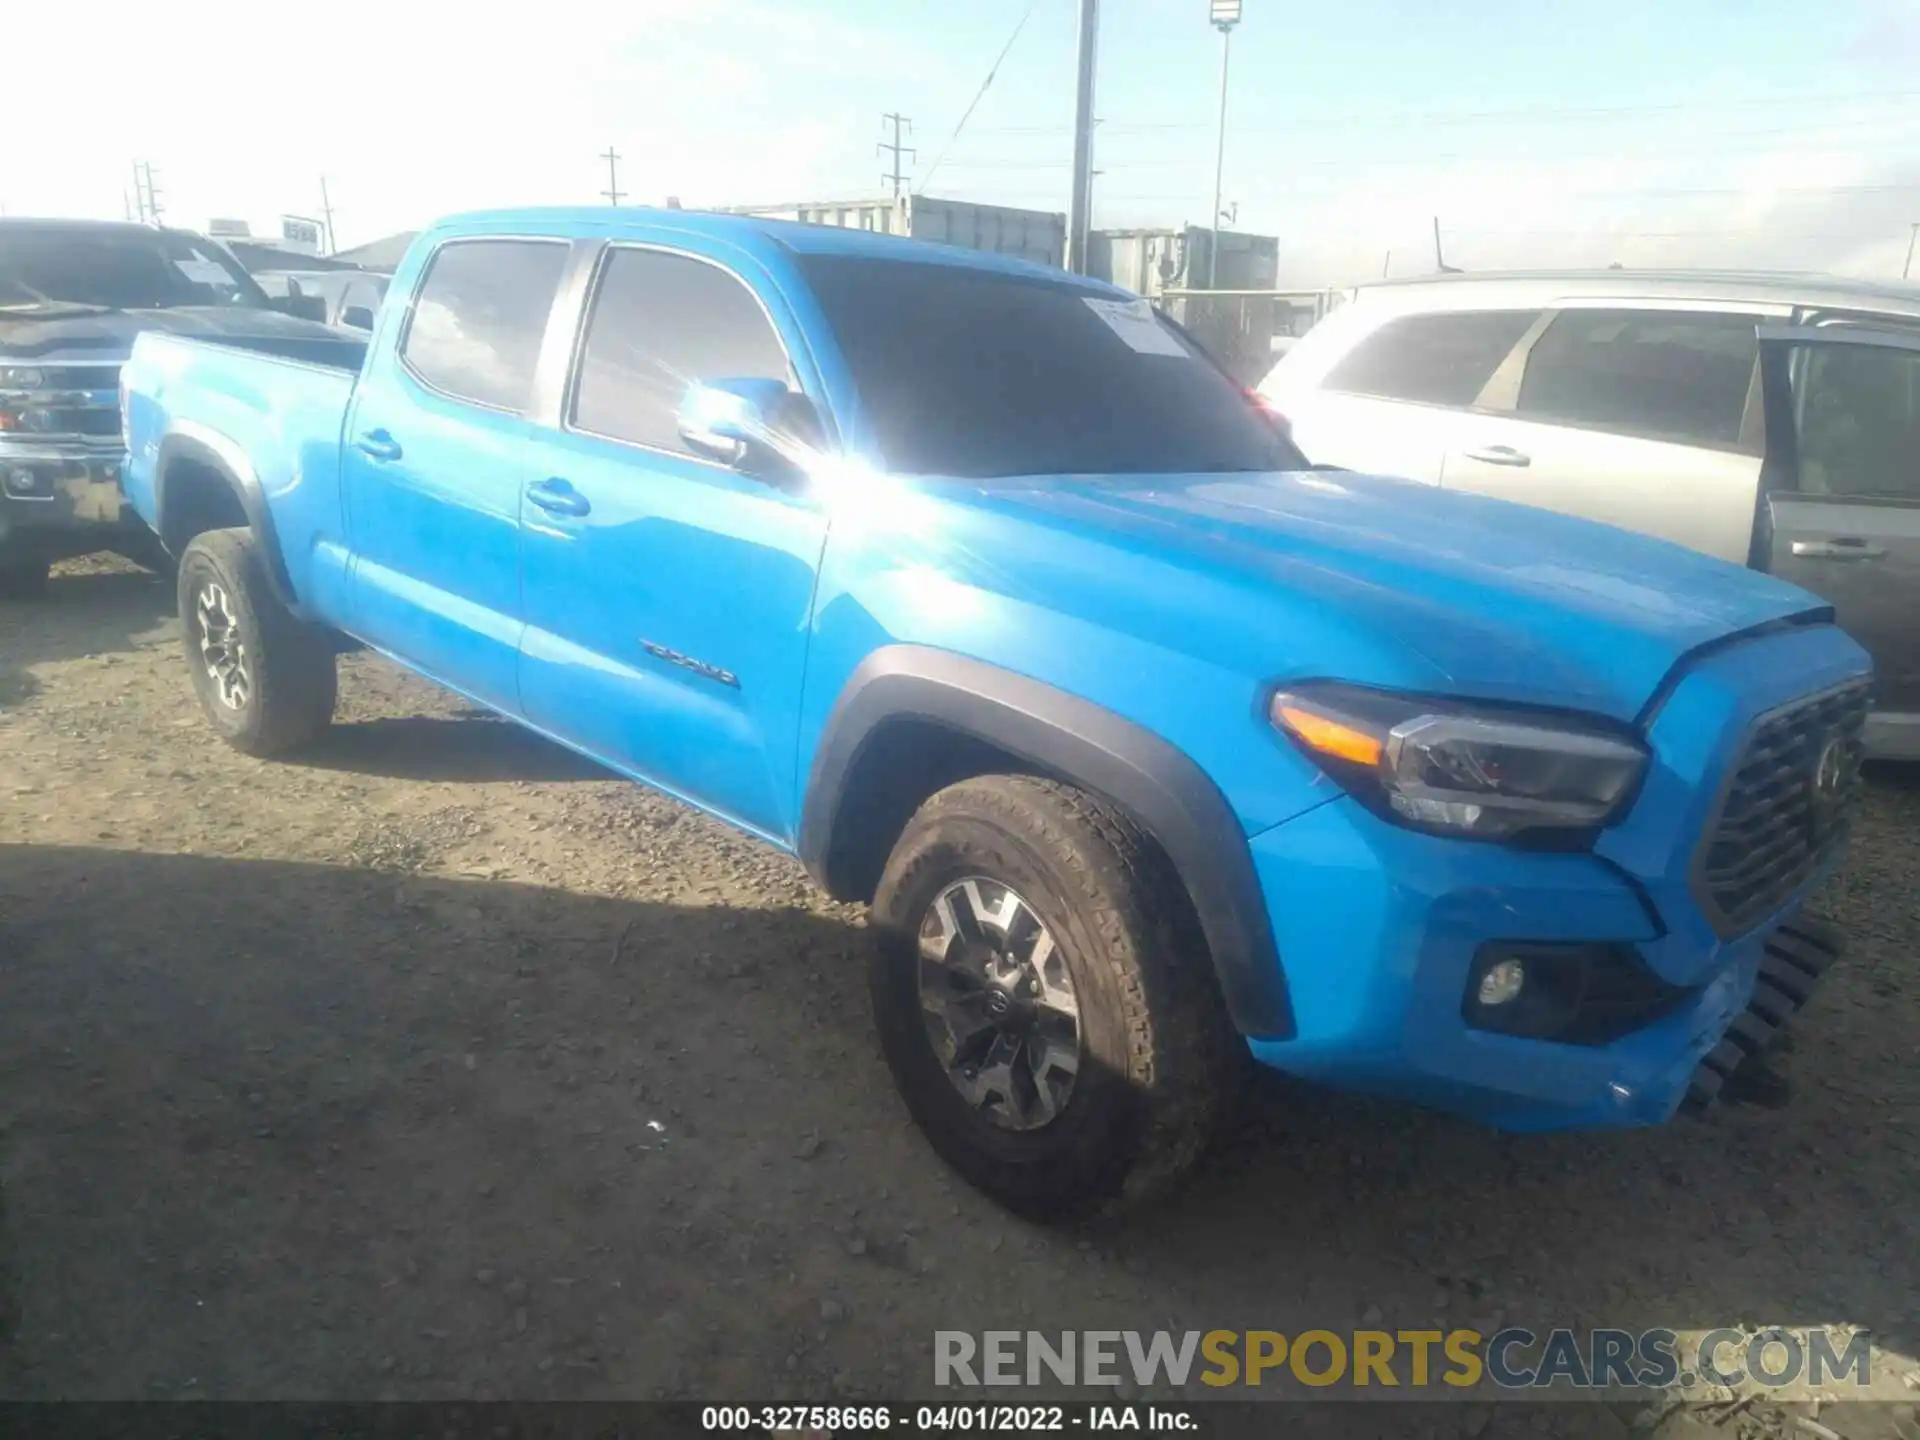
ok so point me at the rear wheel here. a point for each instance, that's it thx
(1044, 1000)
(264, 679)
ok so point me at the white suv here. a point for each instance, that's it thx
(1771, 420)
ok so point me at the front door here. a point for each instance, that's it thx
(434, 460)
(669, 598)
(1842, 484)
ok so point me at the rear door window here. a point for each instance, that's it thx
(480, 317)
(1671, 375)
(1432, 359)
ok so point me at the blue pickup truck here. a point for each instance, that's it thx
(982, 590)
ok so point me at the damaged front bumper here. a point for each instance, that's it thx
(1796, 956)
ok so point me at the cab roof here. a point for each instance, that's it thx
(795, 236)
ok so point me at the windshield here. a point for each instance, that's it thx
(969, 373)
(118, 269)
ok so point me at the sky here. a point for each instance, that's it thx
(1572, 132)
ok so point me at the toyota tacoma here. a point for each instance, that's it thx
(980, 589)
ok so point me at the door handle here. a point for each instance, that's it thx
(1846, 548)
(1499, 455)
(378, 445)
(557, 497)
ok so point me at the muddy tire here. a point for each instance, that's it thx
(23, 577)
(264, 679)
(1045, 1000)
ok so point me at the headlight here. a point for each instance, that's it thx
(1468, 770)
(20, 378)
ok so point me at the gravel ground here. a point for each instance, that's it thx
(442, 1064)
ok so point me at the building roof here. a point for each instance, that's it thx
(382, 254)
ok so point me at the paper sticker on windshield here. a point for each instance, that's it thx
(204, 272)
(1134, 322)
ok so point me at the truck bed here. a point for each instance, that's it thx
(272, 408)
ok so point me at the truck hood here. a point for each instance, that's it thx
(110, 334)
(1500, 601)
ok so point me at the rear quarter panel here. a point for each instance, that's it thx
(273, 424)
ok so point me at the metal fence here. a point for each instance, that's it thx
(1240, 327)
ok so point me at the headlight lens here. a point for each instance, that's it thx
(1472, 771)
(19, 377)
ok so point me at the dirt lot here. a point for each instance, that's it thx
(443, 1064)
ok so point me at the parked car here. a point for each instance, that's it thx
(350, 298)
(981, 590)
(73, 294)
(1772, 420)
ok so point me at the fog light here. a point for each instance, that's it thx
(22, 481)
(1501, 984)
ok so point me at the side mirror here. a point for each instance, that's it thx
(301, 307)
(357, 317)
(735, 421)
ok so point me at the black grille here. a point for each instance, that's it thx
(1786, 807)
(92, 422)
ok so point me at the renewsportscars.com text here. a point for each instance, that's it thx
(1514, 1358)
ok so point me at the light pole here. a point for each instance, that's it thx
(1912, 235)
(1080, 196)
(1225, 14)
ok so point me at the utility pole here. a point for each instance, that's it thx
(1080, 196)
(1225, 14)
(896, 149)
(1912, 235)
(146, 198)
(613, 192)
(326, 216)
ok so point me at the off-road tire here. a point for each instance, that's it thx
(23, 577)
(291, 682)
(1159, 1059)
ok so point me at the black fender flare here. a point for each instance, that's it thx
(209, 450)
(1077, 741)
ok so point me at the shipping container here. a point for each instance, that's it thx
(1036, 235)
(1150, 262)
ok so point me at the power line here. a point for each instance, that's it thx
(1320, 120)
(1648, 148)
(897, 149)
(985, 85)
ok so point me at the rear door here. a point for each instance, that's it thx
(1643, 417)
(1392, 402)
(1842, 485)
(434, 459)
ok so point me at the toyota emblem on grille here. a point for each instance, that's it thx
(1828, 784)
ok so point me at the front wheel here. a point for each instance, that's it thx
(264, 679)
(1044, 1000)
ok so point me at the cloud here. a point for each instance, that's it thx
(414, 109)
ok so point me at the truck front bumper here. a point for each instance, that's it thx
(1390, 930)
(1384, 933)
(55, 504)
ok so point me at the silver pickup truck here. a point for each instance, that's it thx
(74, 294)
